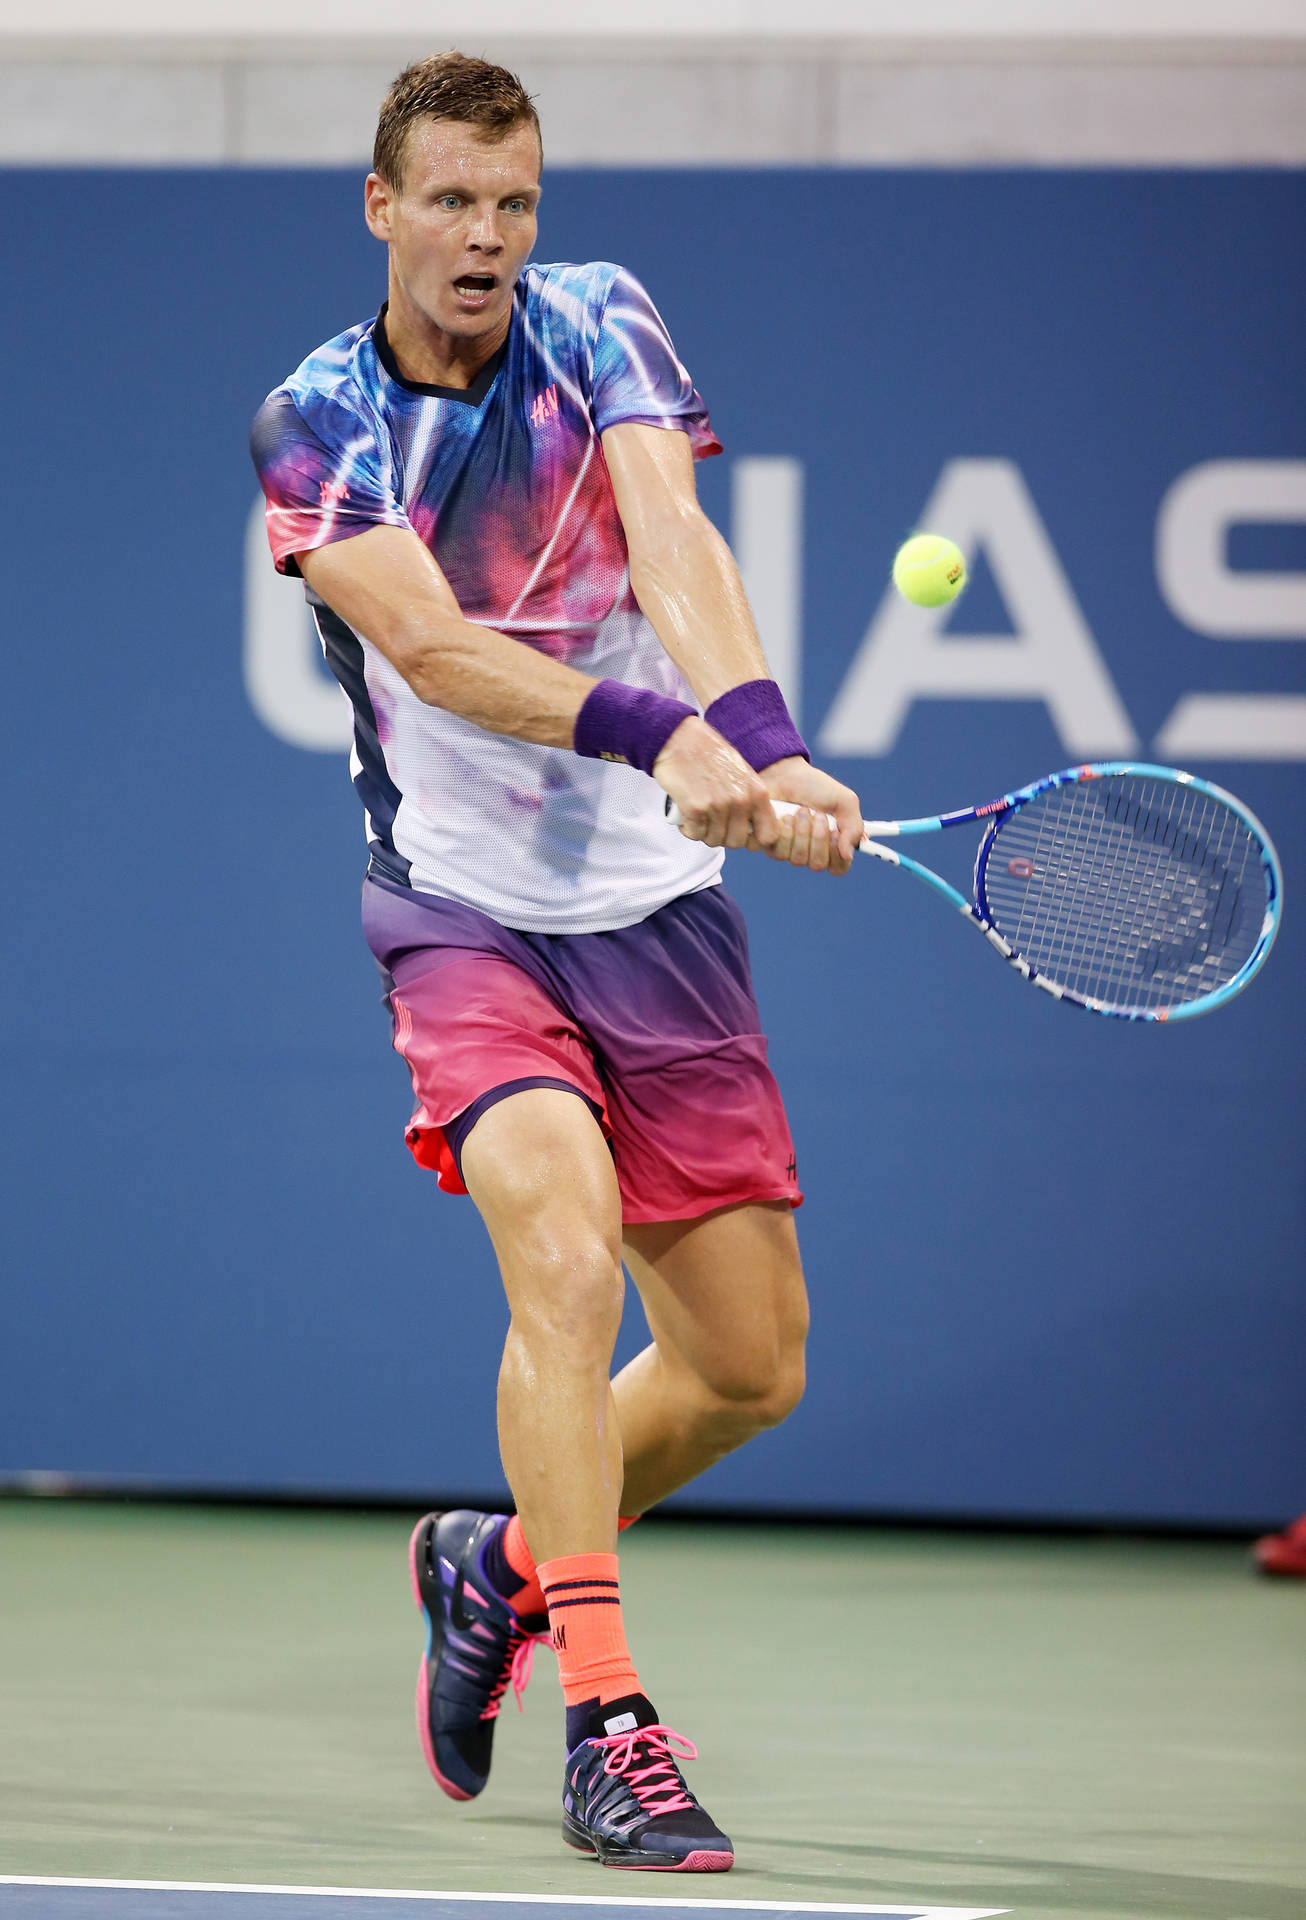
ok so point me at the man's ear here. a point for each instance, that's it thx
(377, 195)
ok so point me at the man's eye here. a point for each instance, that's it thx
(450, 202)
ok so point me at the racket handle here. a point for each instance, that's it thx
(675, 817)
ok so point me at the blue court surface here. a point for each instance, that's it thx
(36, 1898)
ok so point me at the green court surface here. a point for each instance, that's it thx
(1063, 1727)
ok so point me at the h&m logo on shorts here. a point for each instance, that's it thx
(544, 406)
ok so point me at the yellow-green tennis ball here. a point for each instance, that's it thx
(929, 570)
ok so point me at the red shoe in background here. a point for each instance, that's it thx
(1284, 1552)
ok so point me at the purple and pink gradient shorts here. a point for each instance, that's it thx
(654, 1026)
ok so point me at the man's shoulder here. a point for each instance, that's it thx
(335, 374)
(571, 288)
(330, 386)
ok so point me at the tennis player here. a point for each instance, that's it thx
(489, 492)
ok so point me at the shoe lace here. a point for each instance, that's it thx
(518, 1659)
(645, 1758)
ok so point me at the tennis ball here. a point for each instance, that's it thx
(929, 570)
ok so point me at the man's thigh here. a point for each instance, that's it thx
(724, 1294)
(540, 1173)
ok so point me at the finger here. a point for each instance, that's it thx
(818, 851)
(801, 844)
(740, 825)
(694, 822)
(780, 846)
(848, 813)
(719, 817)
(765, 824)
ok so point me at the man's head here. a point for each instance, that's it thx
(453, 190)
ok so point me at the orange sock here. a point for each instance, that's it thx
(519, 1558)
(518, 1555)
(584, 1603)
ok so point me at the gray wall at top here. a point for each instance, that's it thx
(676, 103)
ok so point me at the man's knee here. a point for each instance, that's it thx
(769, 1375)
(539, 1170)
(565, 1286)
(748, 1393)
(774, 1398)
(785, 1391)
(561, 1263)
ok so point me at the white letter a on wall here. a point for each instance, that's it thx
(1050, 655)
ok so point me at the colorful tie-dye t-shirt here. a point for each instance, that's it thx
(506, 484)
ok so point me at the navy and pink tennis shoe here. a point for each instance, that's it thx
(476, 1648)
(625, 1800)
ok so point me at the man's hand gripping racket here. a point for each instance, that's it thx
(1131, 890)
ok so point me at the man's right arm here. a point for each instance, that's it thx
(387, 587)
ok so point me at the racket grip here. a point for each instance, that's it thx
(675, 817)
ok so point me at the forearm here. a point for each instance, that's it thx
(509, 688)
(499, 684)
(387, 589)
(689, 589)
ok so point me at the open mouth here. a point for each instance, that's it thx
(475, 286)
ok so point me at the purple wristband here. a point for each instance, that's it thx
(755, 720)
(629, 724)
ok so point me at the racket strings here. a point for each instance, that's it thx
(1170, 938)
(1140, 824)
(1133, 892)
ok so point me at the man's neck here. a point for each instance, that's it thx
(430, 357)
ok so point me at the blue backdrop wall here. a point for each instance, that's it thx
(1056, 1265)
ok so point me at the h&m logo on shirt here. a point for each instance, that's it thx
(544, 406)
(332, 491)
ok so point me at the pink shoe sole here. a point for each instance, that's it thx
(702, 1861)
(424, 1689)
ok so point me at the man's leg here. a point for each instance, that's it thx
(540, 1172)
(725, 1301)
(727, 1308)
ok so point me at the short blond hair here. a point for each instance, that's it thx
(448, 86)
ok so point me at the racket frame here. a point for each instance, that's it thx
(994, 812)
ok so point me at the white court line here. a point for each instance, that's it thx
(506, 1899)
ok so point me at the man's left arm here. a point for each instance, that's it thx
(687, 584)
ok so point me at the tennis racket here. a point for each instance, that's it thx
(1134, 891)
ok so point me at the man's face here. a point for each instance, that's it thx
(462, 226)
